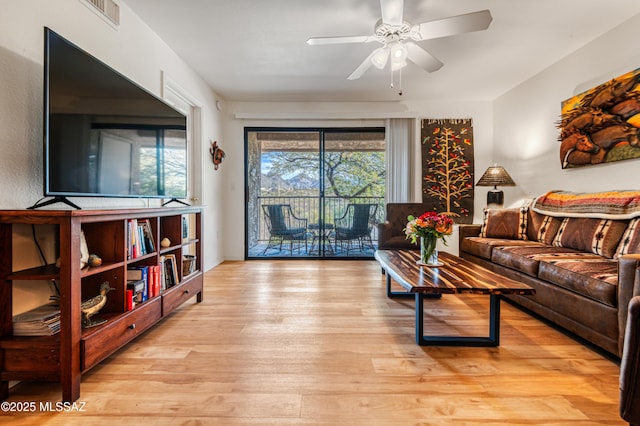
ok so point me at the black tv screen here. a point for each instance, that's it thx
(104, 135)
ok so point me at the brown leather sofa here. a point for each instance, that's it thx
(630, 364)
(592, 290)
(582, 282)
(391, 234)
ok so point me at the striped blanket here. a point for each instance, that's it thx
(604, 205)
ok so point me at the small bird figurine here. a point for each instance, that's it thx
(92, 306)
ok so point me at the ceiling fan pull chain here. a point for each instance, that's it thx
(400, 82)
(391, 69)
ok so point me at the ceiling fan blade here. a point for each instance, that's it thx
(363, 67)
(339, 40)
(392, 11)
(469, 22)
(422, 58)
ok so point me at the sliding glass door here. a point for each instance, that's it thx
(313, 192)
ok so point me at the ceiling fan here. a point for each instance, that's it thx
(397, 37)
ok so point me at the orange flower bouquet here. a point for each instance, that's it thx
(429, 227)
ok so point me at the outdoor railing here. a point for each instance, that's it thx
(308, 207)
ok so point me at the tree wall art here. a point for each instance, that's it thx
(447, 167)
(601, 125)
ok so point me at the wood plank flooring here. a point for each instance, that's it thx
(318, 342)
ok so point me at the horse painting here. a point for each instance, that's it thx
(577, 149)
(602, 124)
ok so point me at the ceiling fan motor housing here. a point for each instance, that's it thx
(387, 33)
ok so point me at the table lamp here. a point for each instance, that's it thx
(495, 176)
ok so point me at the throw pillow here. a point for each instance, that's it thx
(598, 236)
(630, 242)
(505, 223)
(542, 228)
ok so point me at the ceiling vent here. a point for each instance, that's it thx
(106, 8)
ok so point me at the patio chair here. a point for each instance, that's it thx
(284, 226)
(355, 226)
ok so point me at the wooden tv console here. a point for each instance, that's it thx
(66, 355)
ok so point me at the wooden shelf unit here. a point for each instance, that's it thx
(66, 355)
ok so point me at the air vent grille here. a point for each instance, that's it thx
(108, 8)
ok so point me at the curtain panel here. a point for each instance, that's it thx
(400, 133)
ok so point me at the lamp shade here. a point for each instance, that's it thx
(496, 176)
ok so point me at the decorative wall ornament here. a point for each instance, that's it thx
(217, 154)
(602, 124)
(447, 167)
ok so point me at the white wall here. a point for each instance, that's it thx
(132, 49)
(334, 114)
(526, 139)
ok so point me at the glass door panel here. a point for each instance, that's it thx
(300, 184)
(354, 183)
(283, 184)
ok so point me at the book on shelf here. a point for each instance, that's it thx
(147, 236)
(137, 291)
(129, 299)
(185, 228)
(140, 239)
(140, 273)
(150, 276)
(137, 286)
(155, 280)
(41, 321)
(169, 271)
(131, 239)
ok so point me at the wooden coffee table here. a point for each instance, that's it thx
(456, 276)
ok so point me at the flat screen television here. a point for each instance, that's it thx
(105, 136)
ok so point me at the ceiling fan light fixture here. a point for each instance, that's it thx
(395, 66)
(380, 57)
(398, 53)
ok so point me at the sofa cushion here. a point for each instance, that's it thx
(482, 247)
(526, 258)
(505, 223)
(541, 227)
(588, 274)
(630, 241)
(598, 236)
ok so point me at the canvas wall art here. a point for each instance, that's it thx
(447, 167)
(601, 125)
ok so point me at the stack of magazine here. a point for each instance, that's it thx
(41, 321)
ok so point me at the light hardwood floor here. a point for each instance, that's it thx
(318, 342)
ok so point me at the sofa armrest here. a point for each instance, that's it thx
(629, 366)
(385, 231)
(467, 230)
(628, 287)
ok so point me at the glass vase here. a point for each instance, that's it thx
(428, 251)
